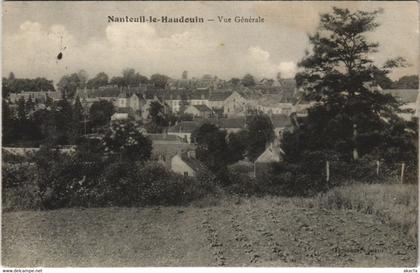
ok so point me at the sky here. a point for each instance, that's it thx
(35, 32)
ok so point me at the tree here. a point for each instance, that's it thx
(100, 113)
(124, 141)
(21, 109)
(237, 144)
(248, 80)
(63, 113)
(77, 119)
(212, 148)
(159, 80)
(101, 79)
(407, 82)
(69, 84)
(338, 75)
(183, 104)
(158, 118)
(9, 124)
(260, 132)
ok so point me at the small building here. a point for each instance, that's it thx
(186, 164)
(232, 125)
(272, 154)
(217, 99)
(200, 110)
(184, 130)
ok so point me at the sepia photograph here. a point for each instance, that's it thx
(209, 134)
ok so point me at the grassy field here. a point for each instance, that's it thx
(268, 231)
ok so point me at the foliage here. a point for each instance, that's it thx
(130, 78)
(350, 118)
(394, 204)
(237, 144)
(14, 85)
(260, 132)
(124, 140)
(100, 113)
(158, 118)
(248, 80)
(159, 80)
(69, 84)
(101, 79)
(212, 148)
(407, 82)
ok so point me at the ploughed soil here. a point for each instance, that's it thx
(253, 233)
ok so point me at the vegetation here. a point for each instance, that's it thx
(395, 204)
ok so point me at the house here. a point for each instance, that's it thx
(200, 110)
(217, 99)
(36, 96)
(166, 146)
(186, 164)
(272, 154)
(119, 117)
(184, 130)
(274, 104)
(231, 125)
(238, 104)
(199, 97)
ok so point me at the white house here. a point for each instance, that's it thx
(186, 164)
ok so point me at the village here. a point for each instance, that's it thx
(198, 101)
(263, 134)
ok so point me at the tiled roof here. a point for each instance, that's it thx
(194, 163)
(225, 123)
(219, 96)
(271, 100)
(184, 126)
(202, 108)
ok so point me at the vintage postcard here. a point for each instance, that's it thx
(210, 134)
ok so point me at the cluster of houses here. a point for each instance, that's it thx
(207, 102)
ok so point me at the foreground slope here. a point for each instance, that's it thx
(258, 232)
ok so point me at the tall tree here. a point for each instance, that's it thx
(212, 148)
(260, 133)
(123, 140)
(101, 79)
(77, 119)
(157, 116)
(339, 74)
(100, 113)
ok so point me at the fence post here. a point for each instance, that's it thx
(328, 170)
(402, 173)
(377, 167)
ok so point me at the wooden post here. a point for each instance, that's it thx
(255, 170)
(402, 173)
(328, 170)
(377, 167)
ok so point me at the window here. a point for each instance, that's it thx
(185, 173)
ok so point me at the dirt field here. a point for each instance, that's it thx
(253, 233)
